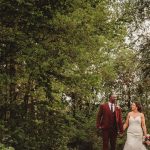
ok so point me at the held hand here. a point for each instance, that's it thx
(120, 135)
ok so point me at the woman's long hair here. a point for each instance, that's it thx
(138, 105)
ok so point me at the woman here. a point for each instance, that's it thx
(135, 123)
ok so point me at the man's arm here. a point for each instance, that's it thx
(99, 116)
(120, 121)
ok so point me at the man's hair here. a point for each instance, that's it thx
(110, 95)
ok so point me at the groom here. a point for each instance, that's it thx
(109, 120)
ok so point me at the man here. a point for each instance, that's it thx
(109, 120)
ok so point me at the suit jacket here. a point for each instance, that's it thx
(104, 117)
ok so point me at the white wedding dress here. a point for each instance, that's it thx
(134, 135)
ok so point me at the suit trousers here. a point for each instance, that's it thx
(109, 137)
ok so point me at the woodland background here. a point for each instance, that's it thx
(59, 59)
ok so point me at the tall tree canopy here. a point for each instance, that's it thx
(56, 57)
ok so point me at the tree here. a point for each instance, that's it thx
(50, 49)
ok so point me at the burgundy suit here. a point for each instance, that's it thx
(110, 123)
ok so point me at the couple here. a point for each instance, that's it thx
(109, 120)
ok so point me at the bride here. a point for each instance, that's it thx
(135, 123)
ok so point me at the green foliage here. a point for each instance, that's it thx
(2, 147)
(85, 133)
(55, 57)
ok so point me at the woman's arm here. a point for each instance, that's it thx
(143, 125)
(126, 124)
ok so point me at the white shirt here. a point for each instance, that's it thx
(112, 106)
